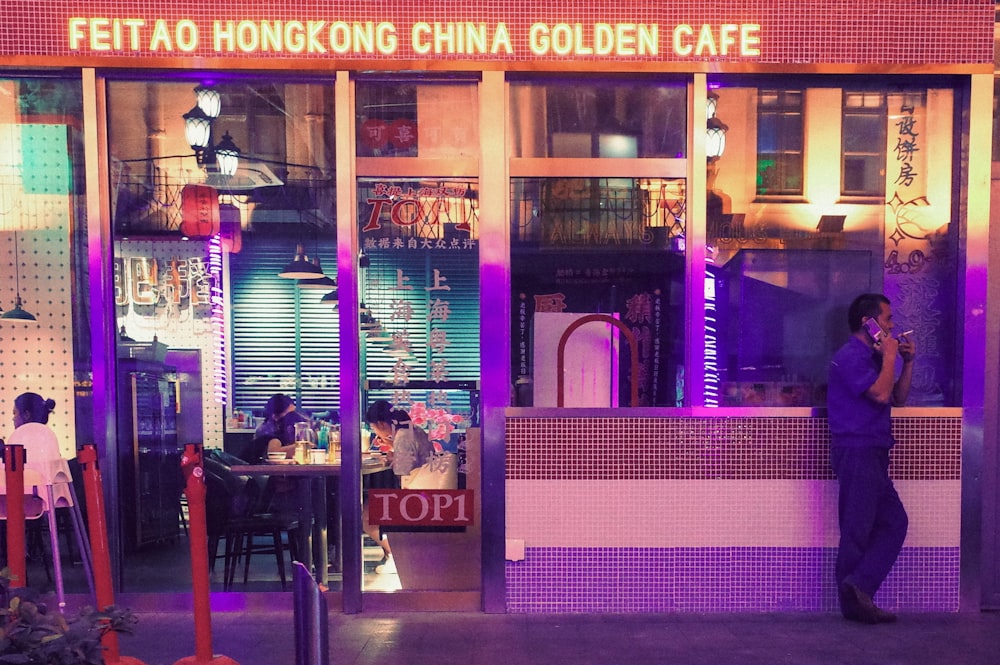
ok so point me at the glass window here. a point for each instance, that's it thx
(863, 140)
(204, 222)
(425, 119)
(782, 273)
(598, 119)
(779, 142)
(597, 272)
(44, 290)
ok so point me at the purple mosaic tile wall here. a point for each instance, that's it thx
(713, 515)
(634, 580)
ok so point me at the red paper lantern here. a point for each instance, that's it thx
(199, 211)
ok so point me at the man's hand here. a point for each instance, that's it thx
(907, 349)
(887, 346)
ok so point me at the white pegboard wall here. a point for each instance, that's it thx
(37, 356)
(172, 324)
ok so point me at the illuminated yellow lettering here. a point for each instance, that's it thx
(272, 37)
(681, 41)
(386, 38)
(727, 37)
(314, 29)
(578, 47)
(161, 37)
(100, 34)
(562, 39)
(186, 35)
(538, 39)
(649, 39)
(77, 33)
(340, 37)
(133, 25)
(625, 38)
(501, 40)
(445, 40)
(417, 35)
(749, 39)
(223, 36)
(604, 39)
(475, 38)
(706, 41)
(247, 36)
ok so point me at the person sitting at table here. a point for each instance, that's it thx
(31, 429)
(407, 447)
(278, 427)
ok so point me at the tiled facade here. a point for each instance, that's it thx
(712, 514)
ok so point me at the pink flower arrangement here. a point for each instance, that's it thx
(438, 423)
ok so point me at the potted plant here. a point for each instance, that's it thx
(31, 633)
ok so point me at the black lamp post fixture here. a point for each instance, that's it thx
(715, 136)
(198, 123)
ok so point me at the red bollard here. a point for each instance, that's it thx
(194, 474)
(98, 532)
(13, 459)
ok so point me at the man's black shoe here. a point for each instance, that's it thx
(856, 605)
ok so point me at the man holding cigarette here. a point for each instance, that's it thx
(869, 375)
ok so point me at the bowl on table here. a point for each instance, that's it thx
(276, 457)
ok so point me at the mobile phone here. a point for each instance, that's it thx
(874, 330)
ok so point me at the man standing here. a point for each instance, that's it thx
(869, 375)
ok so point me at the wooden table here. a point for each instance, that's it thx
(312, 491)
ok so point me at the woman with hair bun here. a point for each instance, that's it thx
(32, 408)
(31, 429)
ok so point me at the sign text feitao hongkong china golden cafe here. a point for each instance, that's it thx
(342, 38)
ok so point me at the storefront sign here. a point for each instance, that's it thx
(444, 508)
(110, 35)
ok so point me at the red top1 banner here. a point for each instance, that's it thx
(955, 33)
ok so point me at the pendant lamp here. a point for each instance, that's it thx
(301, 267)
(320, 282)
(18, 313)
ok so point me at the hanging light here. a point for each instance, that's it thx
(300, 267)
(711, 104)
(197, 129)
(209, 101)
(227, 155)
(321, 282)
(18, 313)
(715, 138)
(332, 296)
(715, 132)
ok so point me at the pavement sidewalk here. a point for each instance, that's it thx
(258, 637)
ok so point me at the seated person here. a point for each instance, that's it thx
(407, 447)
(278, 427)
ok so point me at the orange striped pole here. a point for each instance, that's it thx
(194, 473)
(13, 459)
(98, 533)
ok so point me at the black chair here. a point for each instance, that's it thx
(233, 508)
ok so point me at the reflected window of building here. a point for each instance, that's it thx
(598, 119)
(863, 132)
(426, 119)
(782, 272)
(779, 142)
(597, 273)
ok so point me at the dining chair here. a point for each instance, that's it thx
(234, 513)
